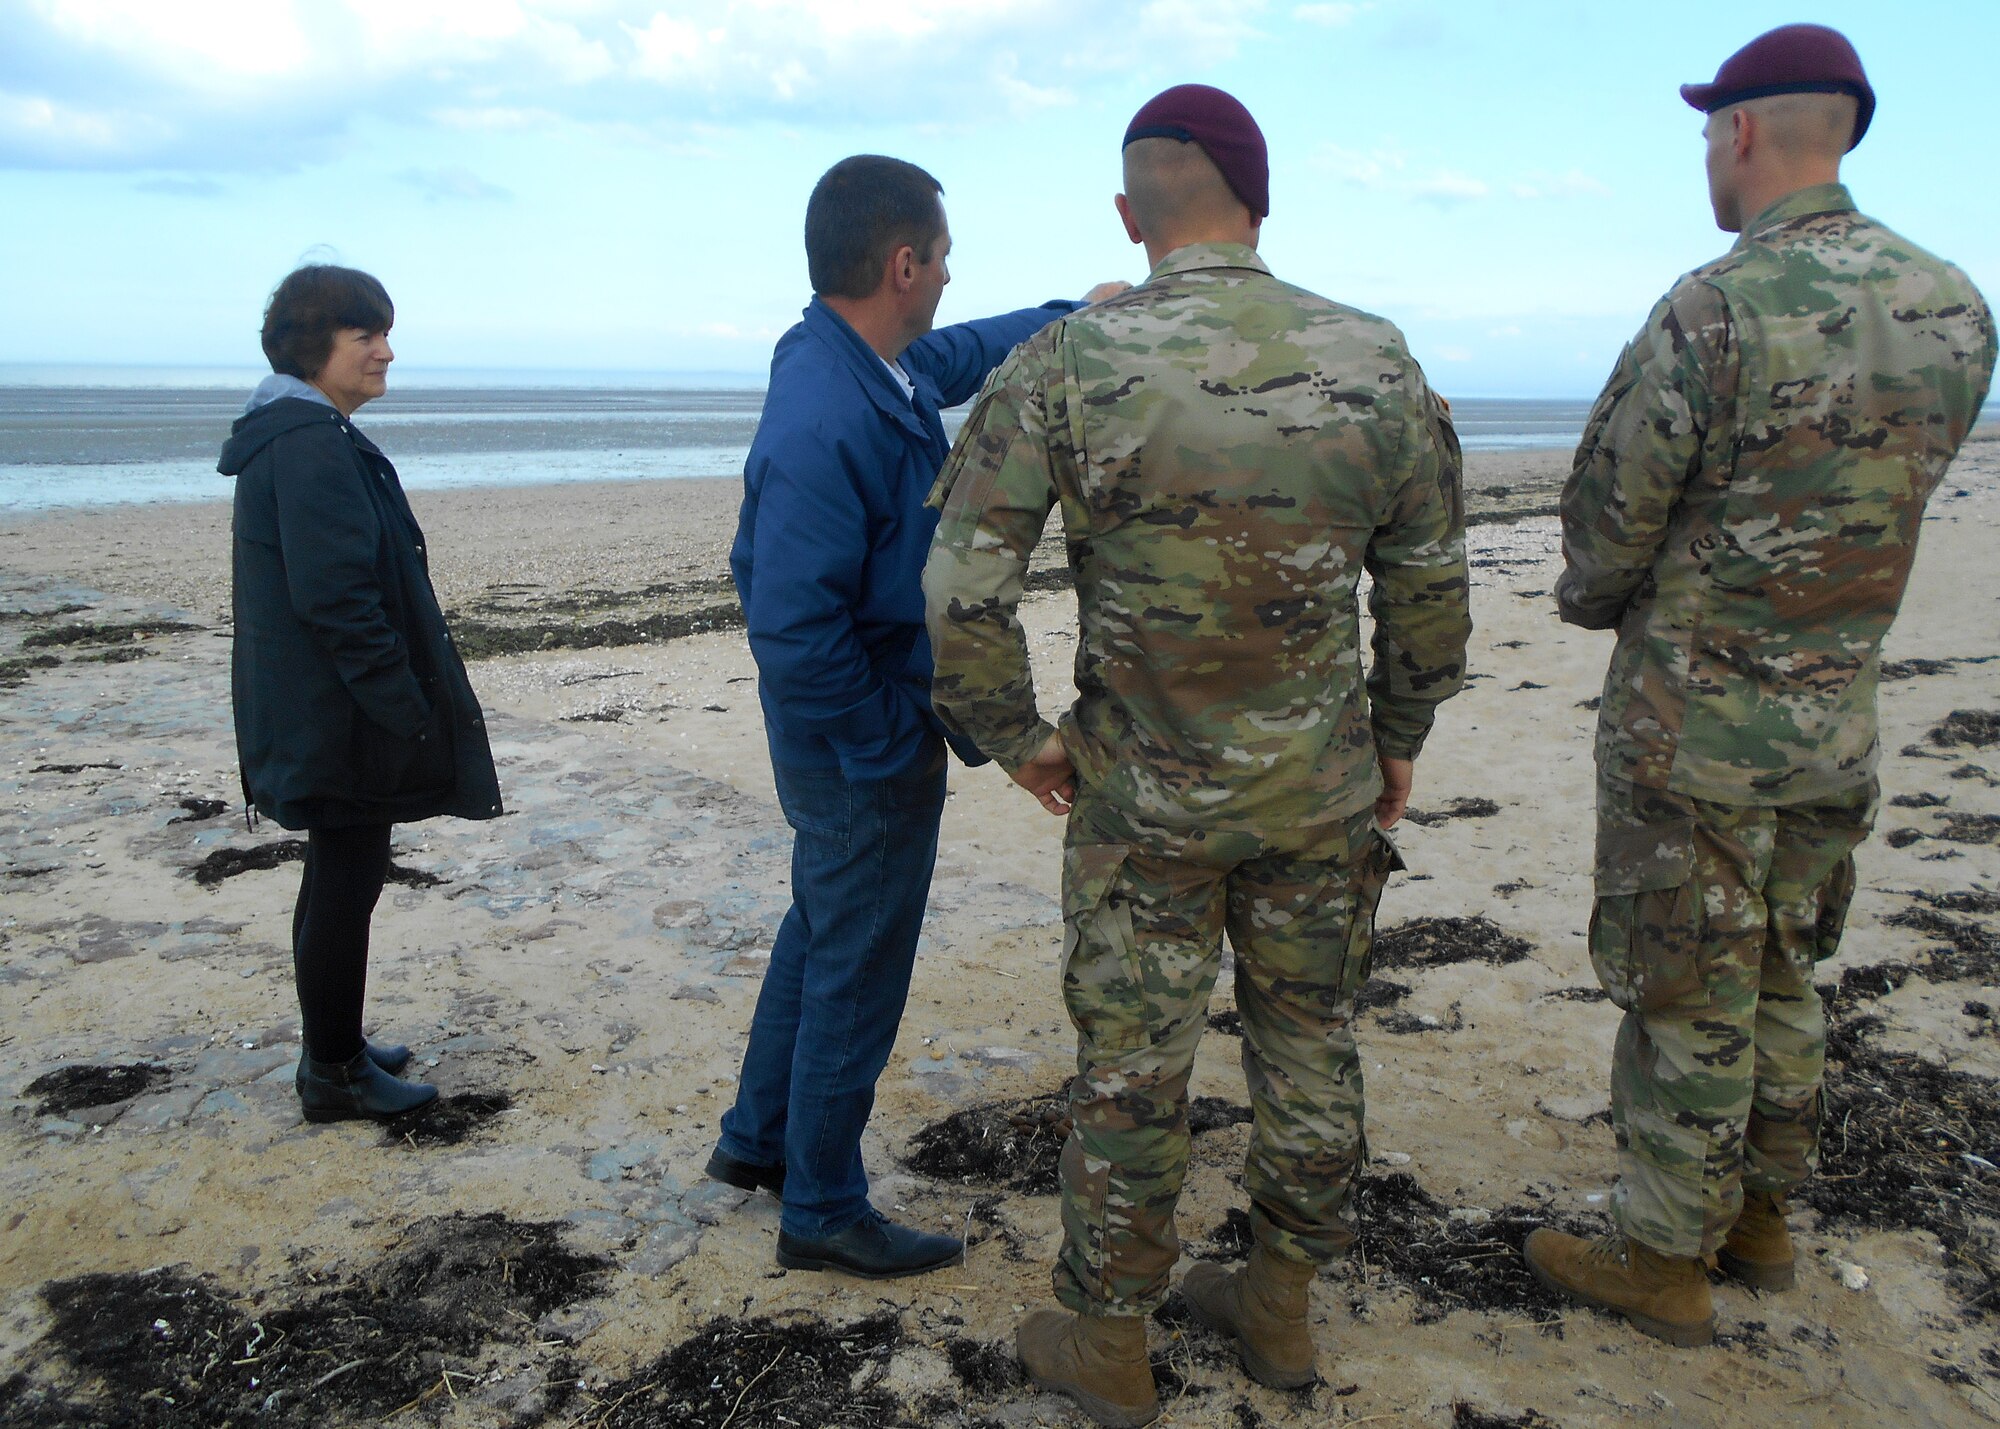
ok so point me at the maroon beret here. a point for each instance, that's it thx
(1199, 114)
(1792, 59)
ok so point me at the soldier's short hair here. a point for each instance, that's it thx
(310, 307)
(862, 210)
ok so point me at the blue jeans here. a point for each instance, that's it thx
(826, 1018)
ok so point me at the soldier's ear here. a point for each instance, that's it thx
(1124, 207)
(1742, 132)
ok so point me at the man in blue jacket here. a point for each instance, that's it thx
(828, 560)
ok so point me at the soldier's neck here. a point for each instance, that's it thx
(1172, 241)
(1757, 191)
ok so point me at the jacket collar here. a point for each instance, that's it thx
(866, 365)
(1800, 203)
(1208, 255)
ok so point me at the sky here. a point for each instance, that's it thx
(608, 185)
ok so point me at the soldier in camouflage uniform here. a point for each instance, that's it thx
(1744, 510)
(1229, 453)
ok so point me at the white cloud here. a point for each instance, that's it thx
(1451, 353)
(247, 84)
(1448, 187)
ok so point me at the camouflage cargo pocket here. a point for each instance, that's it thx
(1834, 896)
(1378, 861)
(1103, 985)
(1645, 930)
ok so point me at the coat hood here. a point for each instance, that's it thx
(265, 423)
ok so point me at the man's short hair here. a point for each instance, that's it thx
(862, 210)
(310, 307)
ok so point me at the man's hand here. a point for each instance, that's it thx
(1049, 776)
(1397, 776)
(1106, 290)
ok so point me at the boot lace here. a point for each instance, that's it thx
(1605, 1250)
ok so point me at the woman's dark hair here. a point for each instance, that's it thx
(311, 305)
(862, 210)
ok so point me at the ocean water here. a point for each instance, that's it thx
(89, 437)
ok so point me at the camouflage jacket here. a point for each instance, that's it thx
(1230, 453)
(1745, 503)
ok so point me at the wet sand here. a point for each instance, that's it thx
(578, 975)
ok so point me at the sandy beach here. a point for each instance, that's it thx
(178, 1247)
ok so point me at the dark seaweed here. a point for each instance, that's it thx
(745, 1372)
(1018, 1144)
(1434, 942)
(69, 1089)
(1407, 1235)
(109, 633)
(446, 1121)
(166, 1350)
(1974, 729)
(1456, 809)
(1896, 1131)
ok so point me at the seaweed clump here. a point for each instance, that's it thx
(74, 1088)
(1467, 1259)
(164, 1349)
(1435, 942)
(1018, 1144)
(749, 1372)
(1901, 1150)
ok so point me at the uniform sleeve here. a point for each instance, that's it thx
(330, 538)
(959, 358)
(811, 540)
(1420, 601)
(996, 490)
(1641, 445)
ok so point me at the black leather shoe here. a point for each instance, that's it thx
(391, 1059)
(744, 1175)
(343, 1091)
(874, 1248)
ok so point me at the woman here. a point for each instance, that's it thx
(353, 711)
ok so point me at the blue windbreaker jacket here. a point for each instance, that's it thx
(833, 535)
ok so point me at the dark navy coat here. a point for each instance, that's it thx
(833, 536)
(351, 705)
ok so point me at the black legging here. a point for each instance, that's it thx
(345, 870)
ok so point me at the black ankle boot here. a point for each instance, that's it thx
(342, 1091)
(391, 1059)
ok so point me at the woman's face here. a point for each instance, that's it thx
(357, 370)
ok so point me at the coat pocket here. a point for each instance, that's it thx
(1645, 929)
(434, 754)
(381, 760)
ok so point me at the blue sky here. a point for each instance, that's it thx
(563, 184)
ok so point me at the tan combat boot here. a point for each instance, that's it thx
(1263, 1308)
(1664, 1296)
(1097, 1360)
(1758, 1250)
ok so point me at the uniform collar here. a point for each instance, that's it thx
(1800, 203)
(1208, 255)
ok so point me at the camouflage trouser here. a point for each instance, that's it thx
(1144, 913)
(1709, 918)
